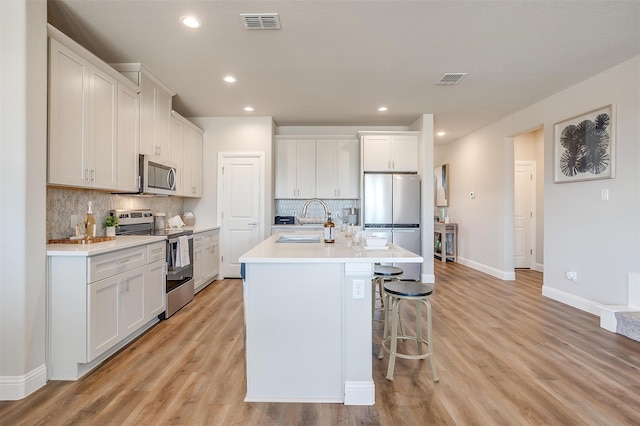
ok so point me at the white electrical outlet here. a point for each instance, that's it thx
(572, 276)
(358, 289)
(74, 220)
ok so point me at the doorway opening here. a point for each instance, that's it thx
(528, 220)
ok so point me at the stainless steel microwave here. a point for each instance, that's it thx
(156, 176)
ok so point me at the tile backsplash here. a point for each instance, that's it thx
(63, 203)
(294, 208)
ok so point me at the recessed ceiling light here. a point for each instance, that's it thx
(230, 79)
(190, 21)
(441, 133)
(248, 109)
(382, 109)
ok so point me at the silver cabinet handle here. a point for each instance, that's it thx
(252, 223)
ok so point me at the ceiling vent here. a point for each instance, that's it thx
(451, 78)
(261, 21)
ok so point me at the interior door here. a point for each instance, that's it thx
(523, 214)
(242, 198)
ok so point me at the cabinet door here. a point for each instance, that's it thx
(178, 155)
(348, 169)
(404, 153)
(286, 169)
(128, 138)
(68, 95)
(163, 124)
(104, 299)
(215, 258)
(326, 169)
(147, 112)
(102, 142)
(376, 152)
(154, 290)
(198, 260)
(131, 313)
(192, 140)
(306, 166)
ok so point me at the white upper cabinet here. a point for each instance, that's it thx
(155, 110)
(390, 152)
(93, 120)
(186, 153)
(295, 168)
(337, 169)
(128, 138)
(82, 121)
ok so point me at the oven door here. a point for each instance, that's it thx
(178, 275)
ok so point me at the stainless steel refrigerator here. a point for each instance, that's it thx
(392, 207)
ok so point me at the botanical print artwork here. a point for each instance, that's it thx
(584, 147)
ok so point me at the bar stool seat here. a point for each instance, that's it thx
(382, 273)
(397, 291)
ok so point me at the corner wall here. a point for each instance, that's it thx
(23, 148)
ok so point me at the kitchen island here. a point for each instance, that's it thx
(307, 312)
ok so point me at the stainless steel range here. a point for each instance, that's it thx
(179, 278)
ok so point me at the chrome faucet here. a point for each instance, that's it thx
(306, 204)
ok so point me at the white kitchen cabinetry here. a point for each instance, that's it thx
(82, 121)
(337, 169)
(206, 258)
(295, 168)
(389, 152)
(186, 149)
(128, 138)
(97, 304)
(155, 110)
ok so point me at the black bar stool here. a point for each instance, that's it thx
(382, 274)
(396, 291)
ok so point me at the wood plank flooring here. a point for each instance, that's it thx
(505, 356)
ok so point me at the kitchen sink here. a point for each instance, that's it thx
(299, 239)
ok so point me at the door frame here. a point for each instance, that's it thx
(222, 156)
(532, 204)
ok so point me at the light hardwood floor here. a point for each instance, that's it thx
(506, 355)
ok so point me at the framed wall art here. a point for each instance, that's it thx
(585, 146)
(441, 183)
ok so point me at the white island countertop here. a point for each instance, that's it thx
(342, 251)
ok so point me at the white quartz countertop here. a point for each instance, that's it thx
(343, 250)
(198, 229)
(121, 242)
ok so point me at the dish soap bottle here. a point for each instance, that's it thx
(329, 231)
(89, 223)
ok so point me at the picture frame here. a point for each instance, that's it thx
(584, 146)
(441, 185)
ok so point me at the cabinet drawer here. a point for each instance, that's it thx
(109, 264)
(156, 251)
(205, 239)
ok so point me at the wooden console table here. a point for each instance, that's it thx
(445, 238)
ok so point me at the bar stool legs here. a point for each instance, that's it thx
(417, 292)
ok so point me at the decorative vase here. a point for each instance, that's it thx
(111, 231)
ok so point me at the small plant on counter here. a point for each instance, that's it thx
(110, 221)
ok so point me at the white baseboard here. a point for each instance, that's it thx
(359, 393)
(13, 388)
(572, 300)
(538, 267)
(428, 278)
(503, 275)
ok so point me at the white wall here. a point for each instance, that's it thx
(598, 239)
(23, 125)
(231, 134)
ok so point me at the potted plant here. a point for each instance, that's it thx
(110, 223)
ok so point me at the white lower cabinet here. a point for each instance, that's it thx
(98, 304)
(206, 258)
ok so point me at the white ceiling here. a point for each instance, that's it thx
(336, 62)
